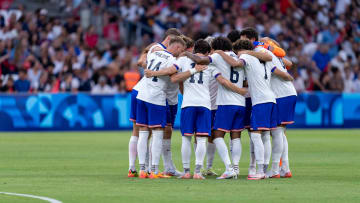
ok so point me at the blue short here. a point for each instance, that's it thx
(286, 109)
(150, 115)
(195, 120)
(229, 118)
(264, 116)
(133, 107)
(248, 107)
(213, 113)
(171, 111)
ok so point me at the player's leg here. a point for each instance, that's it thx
(157, 122)
(286, 107)
(203, 131)
(134, 137)
(142, 145)
(252, 164)
(223, 124)
(265, 137)
(277, 149)
(211, 148)
(187, 130)
(237, 127)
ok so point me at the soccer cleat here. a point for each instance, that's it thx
(228, 175)
(172, 173)
(252, 171)
(209, 172)
(162, 175)
(198, 176)
(237, 170)
(257, 176)
(287, 175)
(185, 176)
(275, 176)
(132, 174)
(143, 174)
(154, 176)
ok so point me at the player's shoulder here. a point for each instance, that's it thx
(232, 54)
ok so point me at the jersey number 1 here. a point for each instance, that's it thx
(192, 78)
(156, 68)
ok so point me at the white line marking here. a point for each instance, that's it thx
(32, 196)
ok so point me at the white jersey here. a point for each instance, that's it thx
(213, 92)
(172, 92)
(280, 87)
(159, 45)
(196, 87)
(154, 90)
(234, 75)
(258, 77)
(140, 84)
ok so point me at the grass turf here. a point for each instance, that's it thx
(92, 167)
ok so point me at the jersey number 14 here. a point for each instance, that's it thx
(156, 68)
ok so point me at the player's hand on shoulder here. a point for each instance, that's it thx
(148, 73)
(200, 68)
(243, 52)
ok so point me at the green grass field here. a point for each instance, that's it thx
(92, 167)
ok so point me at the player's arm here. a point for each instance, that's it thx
(180, 77)
(142, 61)
(262, 56)
(288, 64)
(181, 87)
(284, 75)
(166, 71)
(202, 60)
(279, 52)
(230, 60)
(229, 85)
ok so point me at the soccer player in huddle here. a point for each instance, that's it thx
(151, 106)
(196, 114)
(169, 34)
(264, 112)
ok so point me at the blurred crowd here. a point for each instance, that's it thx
(93, 45)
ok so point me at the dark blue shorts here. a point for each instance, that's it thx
(195, 120)
(133, 107)
(286, 109)
(150, 115)
(213, 113)
(264, 116)
(171, 111)
(229, 118)
(248, 107)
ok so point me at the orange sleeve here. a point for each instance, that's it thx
(279, 52)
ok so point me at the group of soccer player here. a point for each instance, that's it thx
(228, 84)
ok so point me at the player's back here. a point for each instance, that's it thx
(196, 87)
(258, 76)
(280, 87)
(234, 75)
(155, 86)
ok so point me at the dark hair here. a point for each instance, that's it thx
(22, 71)
(201, 46)
(234, 35)
(172, 31)
(188, 41)
(242, 45)
(250, 33)
(177, 40)
(221, 43)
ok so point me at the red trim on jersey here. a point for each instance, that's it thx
(287, 122)
(154, 126)
(237, 130)
(224, 130)
(188, 134)
(202, 133)
(140, 124)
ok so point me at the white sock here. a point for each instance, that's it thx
(230, 147)
(133, 152)
(277, 149)
(150, 154)
(166, 153)
(223, 151)
(142, 148)
(200, 150)
(210, 154)
(265, 137)
(147, 167)
(195, 147)
(236, 151)
(285, 154)
(186, 151)
(252, 154)
(156, 148)
(258, 148)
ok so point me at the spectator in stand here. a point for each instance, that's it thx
(34, 73)
(22, 84)
(43, 85)
(348, 81)
(91, 38)
(85, 83)
(299, 83)
(9, 87)
(70, 84)
(322, 57)
(336, 81)
(102, 87)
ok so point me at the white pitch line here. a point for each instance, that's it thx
(32, 196)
